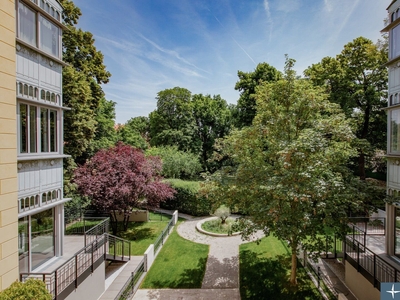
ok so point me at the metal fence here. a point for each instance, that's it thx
(161, 238)
(68, 276)
(370, 265)
(97, 230)
(131, 286)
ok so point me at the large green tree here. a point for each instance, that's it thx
(357, 80)
(82, 81)
(290, 165)
(172, 123)
(213, 120)
(248, 81)
(135, 132)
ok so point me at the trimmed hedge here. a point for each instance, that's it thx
(187, 199)
(32, 289)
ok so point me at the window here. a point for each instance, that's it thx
(49, 37)
(395, 42)
(28, 129)
(395, 130)
(27, 24)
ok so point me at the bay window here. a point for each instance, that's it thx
(49, 37)
(395, 42)
(30, 117)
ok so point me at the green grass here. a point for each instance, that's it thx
(216, 226)
(180, 264)
(265, 271)
(143, 234)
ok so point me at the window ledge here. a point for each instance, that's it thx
(41, 157)
(45, 13)
(391, 25)
(42, 208)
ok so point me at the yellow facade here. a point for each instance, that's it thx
(8, 148)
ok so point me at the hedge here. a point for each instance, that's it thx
(187, 200)
(32, 289)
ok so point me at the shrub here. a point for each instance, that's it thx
(223, 212)
(187, 198)
(32, 289)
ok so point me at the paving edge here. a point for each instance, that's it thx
(201, 230)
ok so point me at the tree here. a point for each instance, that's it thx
(32, 289)
(290, 165)
(82, 81)
(135, 132)
(177, 164)
(121, 178)
(357, 80)
(247, 84)
(213, 120)
(172, 123)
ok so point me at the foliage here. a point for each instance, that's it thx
(180, 264)
(81, 82)
(32, 289)
(213, 119)
(222, 212)
(135, 132)
(246, 108)
(176, 164)
(357, 80)
(190, 123)
(187, 198)
(120, 178)
(217, 226)
(264, 269)
(105, 134)
(172, 123)
(289, 179)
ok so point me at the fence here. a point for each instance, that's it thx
(371, 266)
(97, 230)
(68, 277)
(135, 279)
(81, 226)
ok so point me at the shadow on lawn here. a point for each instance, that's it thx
(268, 278)
(137, 234)
(188, 279)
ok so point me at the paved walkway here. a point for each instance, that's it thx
(221, 279)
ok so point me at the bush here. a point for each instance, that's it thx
(32, 289)
(187, 198)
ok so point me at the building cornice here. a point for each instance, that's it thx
(391, 25)
(38, 102)
(43, 207)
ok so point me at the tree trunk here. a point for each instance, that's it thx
(361, 165)
(293, 271)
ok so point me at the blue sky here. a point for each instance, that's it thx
(152, 45)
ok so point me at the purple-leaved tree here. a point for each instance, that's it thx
(120, 179)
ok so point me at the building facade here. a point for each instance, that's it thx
(8, 148)
(39, 123)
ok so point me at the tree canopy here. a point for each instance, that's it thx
(290, 164)
(357, 80)
(248, 81)
(121, 178)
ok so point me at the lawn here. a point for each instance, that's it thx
(180, 264)
(143, 234)
(265, 269)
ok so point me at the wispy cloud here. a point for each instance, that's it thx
(269, 19)
(288, 5)
(328, 5)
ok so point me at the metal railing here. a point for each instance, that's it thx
(131, 286)
(371, 226)
(118, 248)
(68, 276)
(161, 238)
(370, 265)
(81, 226)
(94, 232)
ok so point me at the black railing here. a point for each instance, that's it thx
(94, 232)
(131, 286)
(68, 276)
(370, 265)
(118, 249)
(79, 227)
(161, 238)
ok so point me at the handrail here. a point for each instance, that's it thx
(69, 275)
(96, 231)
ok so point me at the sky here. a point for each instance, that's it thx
(200, 45)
